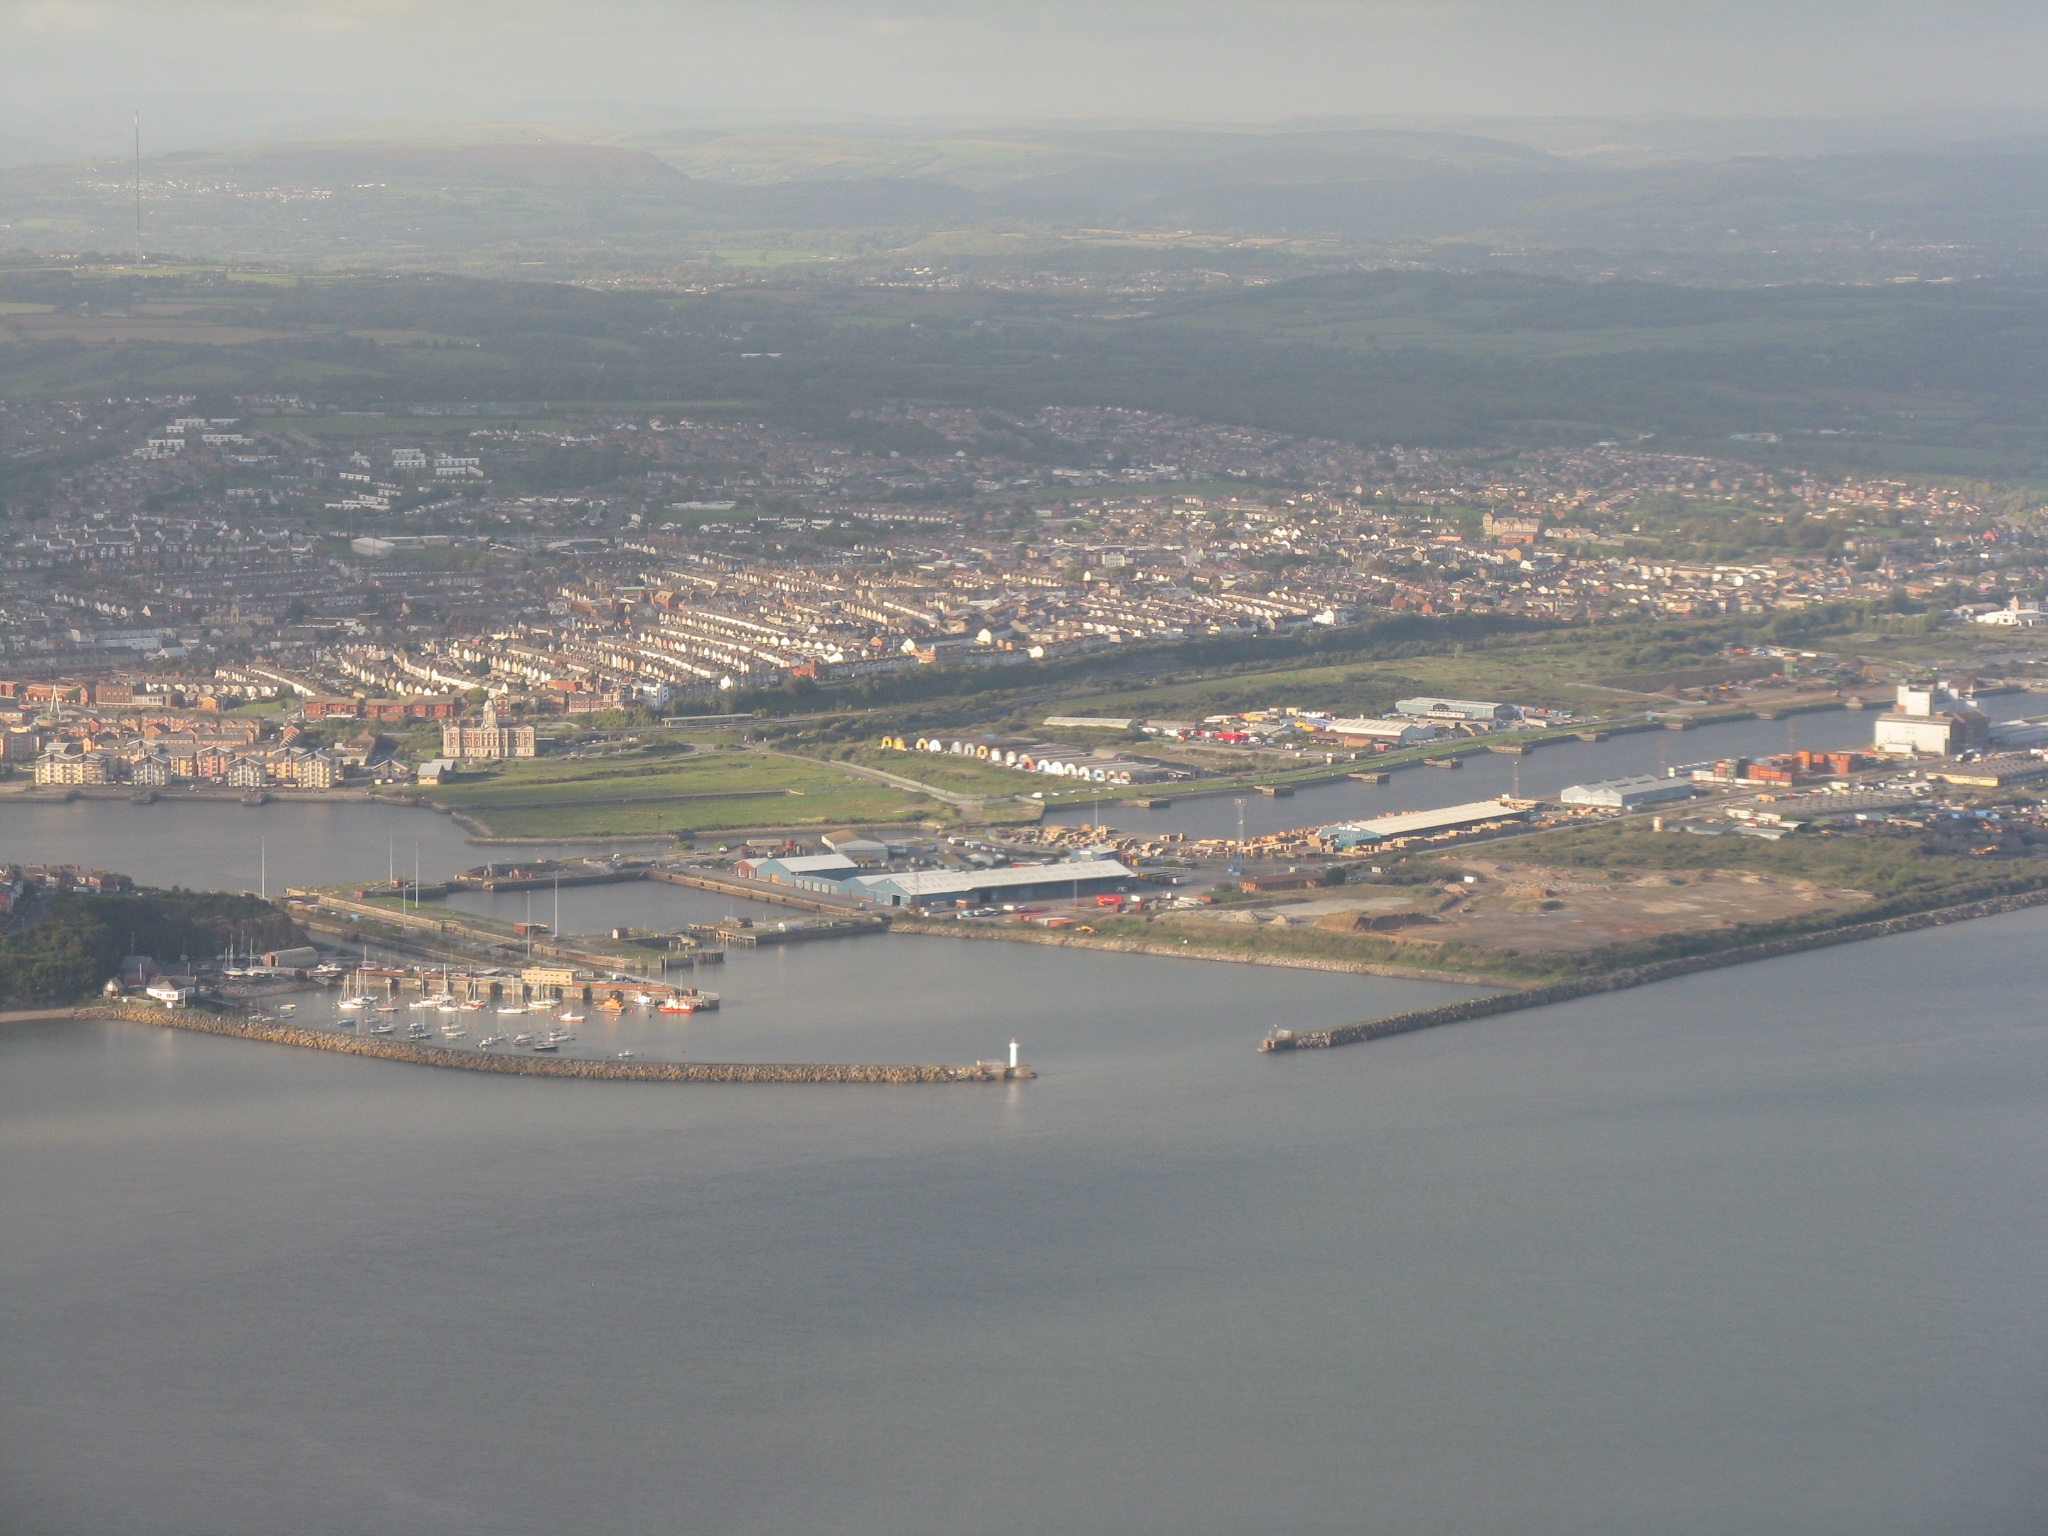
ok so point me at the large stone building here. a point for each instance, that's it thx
(467, 742)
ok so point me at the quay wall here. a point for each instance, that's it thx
(1640, 976)
(762, 890)
(553, 1066)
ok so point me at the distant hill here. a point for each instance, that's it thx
(1314, 197)
(424, 167)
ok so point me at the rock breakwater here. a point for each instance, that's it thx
(552, 1066)
(1637, 976)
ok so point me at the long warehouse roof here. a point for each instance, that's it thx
(947, 882)
(1409, 823)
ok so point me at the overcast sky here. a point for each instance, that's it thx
(208, 71)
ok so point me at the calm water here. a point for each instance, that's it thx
(631, 904)
(214, 845)
(1754, 1251)
(1760, 1250)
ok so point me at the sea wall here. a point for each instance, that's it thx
(556, 1066)
(1639, 976)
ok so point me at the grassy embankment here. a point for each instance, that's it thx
(632, 796)
(1893, 874)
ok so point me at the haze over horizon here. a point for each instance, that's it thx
(1831, 75)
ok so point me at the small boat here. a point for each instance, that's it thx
(421, 1002)
(475, 1005)
(446, 1005)
(344, 1023)
(417, 1031)
(387, 1007)
(452, 1031)
(352, 1003)
(522, 1039)
(541, 1005)
(547, 1045)
(623, 1056)
(572, 1018)
(612, 1005)
(287, 1007)
(512, 1010)
(382, 1029)
(488, 1041)
(644, 999)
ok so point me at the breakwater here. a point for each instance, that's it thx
(555, 1066)
(1638, 976)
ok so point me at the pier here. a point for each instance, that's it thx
(526, 877)
(753, 935)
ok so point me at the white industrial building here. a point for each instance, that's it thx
(1394, 733)
(1467, 711)
(1627, 794)
(1020, 882)
(1930, 720)
(1449, 818)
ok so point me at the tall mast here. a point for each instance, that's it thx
(138, 183)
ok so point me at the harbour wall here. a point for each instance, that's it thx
(1639, 976)
(546, 1066)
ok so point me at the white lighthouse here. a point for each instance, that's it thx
(1013, 1053)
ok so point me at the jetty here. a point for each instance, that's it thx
(754, 933)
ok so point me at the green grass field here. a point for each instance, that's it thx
(955, 775)
(717, 792)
